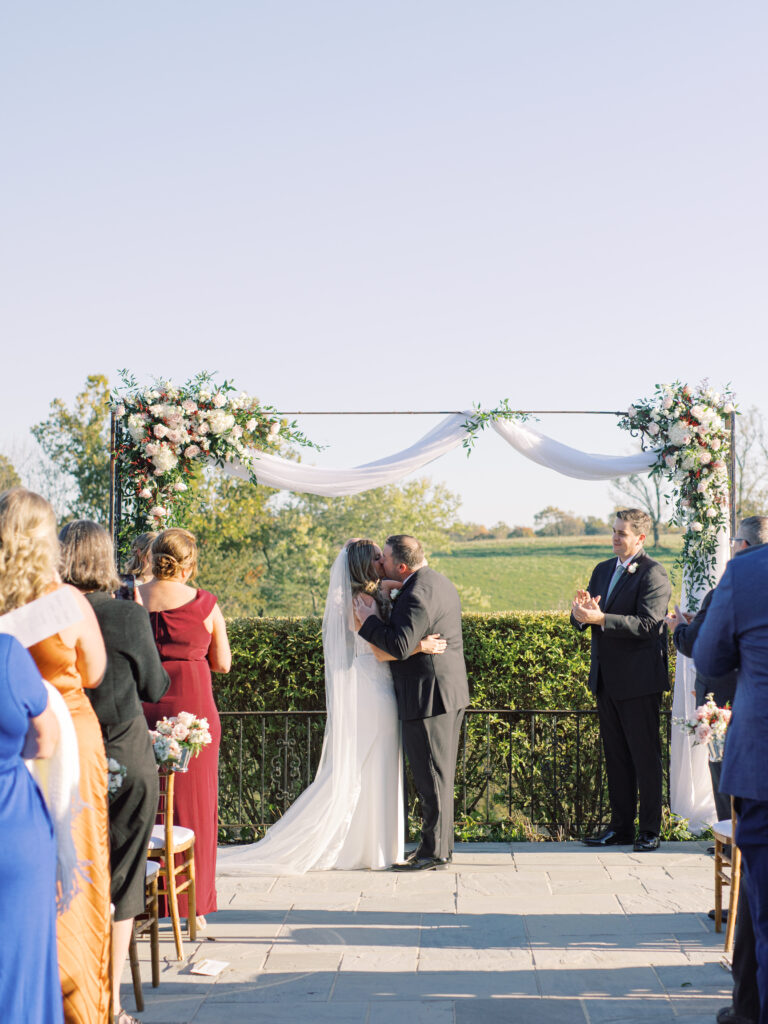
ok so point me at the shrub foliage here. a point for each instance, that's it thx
(519, 774)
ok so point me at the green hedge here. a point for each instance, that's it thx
(517, 777)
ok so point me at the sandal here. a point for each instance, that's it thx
(123, 1017)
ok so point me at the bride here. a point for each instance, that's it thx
(352, 814)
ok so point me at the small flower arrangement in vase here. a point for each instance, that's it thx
(709, 725)
(176, 740)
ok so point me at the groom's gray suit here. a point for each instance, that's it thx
(432, 693)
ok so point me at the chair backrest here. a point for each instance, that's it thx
(166, 778)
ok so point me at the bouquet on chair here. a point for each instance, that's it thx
(176, 740)
(709, 725)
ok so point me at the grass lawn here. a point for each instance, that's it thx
(537, 573)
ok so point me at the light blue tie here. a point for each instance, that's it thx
(615, 579)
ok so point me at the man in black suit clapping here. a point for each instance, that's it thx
(625, 606)
(431, 692)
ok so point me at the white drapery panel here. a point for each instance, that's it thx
(272, 471)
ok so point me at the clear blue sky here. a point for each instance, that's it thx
(347, 205)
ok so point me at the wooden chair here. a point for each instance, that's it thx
(171, 843)
(727, 872)
(149, 921)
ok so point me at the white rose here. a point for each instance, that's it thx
(203, 428)
(653, 429)
(179, 486)
(220, 422)
(670, 461)
(159, 430)
(205, 396)
(158, 511)
(165, 460)
(145, 493)
(120, 410)
(250, 425)
(274, 428)
(631, 411)
(698, 412)
(714, 444)
(189, 406)
(705, 458)
(711, 512)
(695, 527)
(174, 436)
(679, 435)
(113, 765)
(192, 452)
(219, 400)
(702, 486)
(667, 403)
(728, 408)
(152, 448)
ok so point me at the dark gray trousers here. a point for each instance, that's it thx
(432, 746)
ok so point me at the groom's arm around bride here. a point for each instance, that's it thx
(431, 692)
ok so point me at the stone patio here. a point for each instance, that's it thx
(553, 933)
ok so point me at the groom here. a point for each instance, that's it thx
(431, 692)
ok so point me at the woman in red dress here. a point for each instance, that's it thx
(191, 637)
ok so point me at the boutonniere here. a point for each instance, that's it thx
(393, 593)
(632, 568)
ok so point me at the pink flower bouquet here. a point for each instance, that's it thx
(177, 739)
(708, 725)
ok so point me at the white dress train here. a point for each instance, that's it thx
(352, 815)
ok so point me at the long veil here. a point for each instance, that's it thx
(312, 831)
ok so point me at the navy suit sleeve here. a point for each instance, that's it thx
(716, 650)
(684, 637)
(409, 624)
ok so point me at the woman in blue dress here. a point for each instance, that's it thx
(30, 990)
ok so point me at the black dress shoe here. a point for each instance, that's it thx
(421, 864)
(645, 842)
(728, 1015)
(609, 838)
(723, 914)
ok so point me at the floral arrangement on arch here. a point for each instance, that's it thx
(689, 429)
(173, 736)
(166, 432)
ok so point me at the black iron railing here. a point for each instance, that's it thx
(519, 771)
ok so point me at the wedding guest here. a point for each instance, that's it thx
(735, 635)
(752, 532)
(134, 673)
(30, 990)
(624, 606)
(191, 636)
(72, 660)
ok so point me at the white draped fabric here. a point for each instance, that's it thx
(690, 787)
(272, 471)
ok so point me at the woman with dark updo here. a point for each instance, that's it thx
(191, 637)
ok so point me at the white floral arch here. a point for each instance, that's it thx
(160, 433)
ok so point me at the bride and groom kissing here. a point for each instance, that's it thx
(394, 678)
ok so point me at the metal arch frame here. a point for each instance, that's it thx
(114, 470)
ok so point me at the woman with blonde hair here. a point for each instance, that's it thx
(191, 636)
(71, 660)
(352, 815)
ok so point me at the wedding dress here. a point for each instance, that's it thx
(352, 814)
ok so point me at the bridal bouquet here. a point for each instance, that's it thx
(709, 725)
(116, 772)
(176, 740)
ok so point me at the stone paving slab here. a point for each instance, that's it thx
(541, 933)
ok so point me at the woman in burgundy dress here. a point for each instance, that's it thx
(191, 637)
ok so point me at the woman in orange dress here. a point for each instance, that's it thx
(69, 660)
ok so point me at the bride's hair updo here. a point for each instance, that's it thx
(174, 551)
(29, 548)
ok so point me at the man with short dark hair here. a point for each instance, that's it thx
(625, 605)
(431, 693)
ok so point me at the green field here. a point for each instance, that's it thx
(537, 573)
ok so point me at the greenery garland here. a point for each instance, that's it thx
(688, 429)
(482, 418)
(166, 433)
